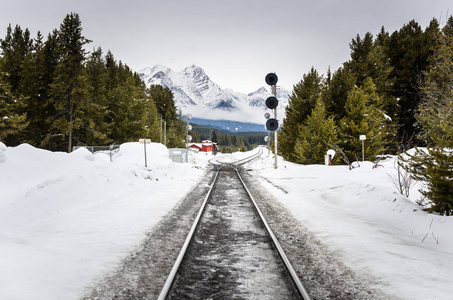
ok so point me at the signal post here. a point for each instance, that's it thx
(272, 103)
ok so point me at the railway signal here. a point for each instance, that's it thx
(272, 103)
(271, 79)
(271, 124)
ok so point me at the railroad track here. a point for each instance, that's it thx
(230, 251)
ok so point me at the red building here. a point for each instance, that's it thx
(206, 146)
(196, 147)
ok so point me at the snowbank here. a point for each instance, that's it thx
(360, 215)
(67, 219)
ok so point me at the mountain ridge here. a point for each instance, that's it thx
(195, 93)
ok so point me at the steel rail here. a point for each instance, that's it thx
(171, 276)
(247, 159)
(168, 283)
(300, 287)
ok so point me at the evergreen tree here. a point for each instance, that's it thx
(435, 168)
(10, 121)
(408, 52)
(165, 104)
(314, 135)
(336, 91)
(69, 90)
(34, 87)
(436, 108)
(448, 28)
(163, 98)
(127, 108)
(95, 130)
(360, 64)
(15, 47)
(301, 103)
(364, 116)
(368, 60)
(152, 120)
(214, 136)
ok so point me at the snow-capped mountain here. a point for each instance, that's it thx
(198, 95)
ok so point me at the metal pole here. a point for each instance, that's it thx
(274, 91)
(165, 133)
(161, 129)
(268, 142)
(187, 142)
(363, 151)
(275, 140)
(187, 133)
(144, 143)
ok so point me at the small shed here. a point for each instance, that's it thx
(196, 147)
(206, 146)
(178, 155)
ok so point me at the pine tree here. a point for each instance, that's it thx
(95, 130)
(152, 120)
(368, 60)
(436, 108)
(11, 122)
(435, 168)
(69, 90)
(214, 136)
(127, 108)
(165, 104)
(336, 91)
(408, 52)
(34, 87)
(364, 116)
(163, 98)
(360, 64)
(301, 103)
(314, 136)
(15, 47)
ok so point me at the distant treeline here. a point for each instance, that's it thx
(228, 142)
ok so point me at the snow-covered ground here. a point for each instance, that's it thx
(377, 232)
(68, 219)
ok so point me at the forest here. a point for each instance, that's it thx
(397, 91)
(55, 95)
(228, 142)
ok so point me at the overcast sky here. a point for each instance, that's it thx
(237, 42)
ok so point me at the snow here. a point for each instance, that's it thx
(66, 220)
(376, 231)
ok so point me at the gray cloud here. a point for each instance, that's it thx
(237, 42)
